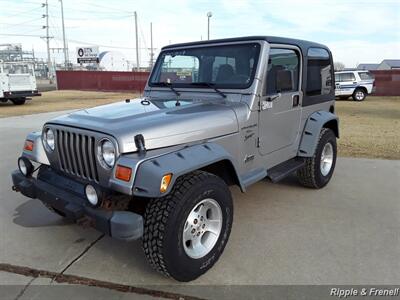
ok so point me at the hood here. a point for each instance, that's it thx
(161, 123)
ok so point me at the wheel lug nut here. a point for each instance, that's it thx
(195, 221)
(193, 230)
(198, 233)
(204, 225)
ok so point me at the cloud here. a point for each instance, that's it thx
(351, 53)
(355, 30)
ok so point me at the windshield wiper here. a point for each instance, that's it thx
(210, 85)
(167, 84)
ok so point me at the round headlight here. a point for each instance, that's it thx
(108, 153)
(49, 138)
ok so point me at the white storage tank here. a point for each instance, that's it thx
(112, 61)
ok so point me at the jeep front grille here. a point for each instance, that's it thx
(77, 154)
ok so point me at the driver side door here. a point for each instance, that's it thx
(280, 107)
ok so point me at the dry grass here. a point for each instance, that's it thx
(370, 128)
(61, 100)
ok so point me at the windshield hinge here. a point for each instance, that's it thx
(258, 142)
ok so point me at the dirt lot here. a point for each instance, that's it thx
(368, 129)
(61, 100)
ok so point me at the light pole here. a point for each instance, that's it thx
(209, 15)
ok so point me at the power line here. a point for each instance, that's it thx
(97, 44)
(24, 12)
(92, 11)
(108, 8)
(21, 23)
(18, 34)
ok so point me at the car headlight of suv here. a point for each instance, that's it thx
(106, 153)
(49, 139)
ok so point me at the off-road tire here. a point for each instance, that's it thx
(310, 174)
(19, 101)
(359, 90)
(165, 219)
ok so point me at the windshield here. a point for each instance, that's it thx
(17, 69)
(228, 66)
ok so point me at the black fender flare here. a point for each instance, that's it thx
(312, 128)
(150, 172)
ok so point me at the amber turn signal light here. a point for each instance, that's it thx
(28, 146)
(123, 173)
(165, 181)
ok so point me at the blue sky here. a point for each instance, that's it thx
(356, 31)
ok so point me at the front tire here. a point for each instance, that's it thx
(186, 231)
(318, 170)
(359, 95)
(19, 101)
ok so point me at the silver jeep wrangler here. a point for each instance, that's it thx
(213, 114)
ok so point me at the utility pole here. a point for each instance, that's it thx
(64, 41)
(47, 37)
(151, 46)
(137, 44)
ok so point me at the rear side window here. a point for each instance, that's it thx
(319, 78)
(365, 75)
(345, 77)
(283, 71)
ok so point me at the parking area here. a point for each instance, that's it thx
(346, 233)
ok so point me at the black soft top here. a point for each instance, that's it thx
(302, 44)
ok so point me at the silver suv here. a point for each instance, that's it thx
(214, 114)
(355, 84)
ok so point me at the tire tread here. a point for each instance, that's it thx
(306, 174)
(157, 213)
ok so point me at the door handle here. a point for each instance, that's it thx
(296, 100)
(273, 97)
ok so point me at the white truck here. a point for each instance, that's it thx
(17, 82)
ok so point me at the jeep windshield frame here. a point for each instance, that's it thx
(224, 66)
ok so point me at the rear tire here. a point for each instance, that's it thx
(19, 101)
(359, 95)
(318, 169)
(172, 228)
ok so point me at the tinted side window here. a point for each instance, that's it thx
(319, 81)
(283, 71)
(365, 75)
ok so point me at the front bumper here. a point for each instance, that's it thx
(123, 225)
(21, 94)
